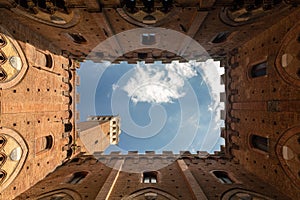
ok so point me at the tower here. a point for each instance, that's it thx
(41, 43)
(98, 132)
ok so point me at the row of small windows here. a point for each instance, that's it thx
(152, 177)
(222, 176)
(2, 175)
(148, 5)
(149, 38)
(49, 6)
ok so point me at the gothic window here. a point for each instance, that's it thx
(2, 141)
(2, 176)
(77, 38)
(259, 142)
(2, 41)
(2, 158)
(148, 5)
(223, 177)
(78, 177)
(221, 37)
(58, 197)
(259, 69)
(3, 76)
(150, 177)
(2, 57)
(240, 194)
(130, 4)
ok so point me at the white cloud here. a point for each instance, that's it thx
(165, 83)
(115, 86)
(158, 83)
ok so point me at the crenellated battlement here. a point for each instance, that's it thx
(164, 154)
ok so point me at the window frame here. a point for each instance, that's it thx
(228, 176)
(256, 147)
(259, 70)
(150, 176)
(77, 177)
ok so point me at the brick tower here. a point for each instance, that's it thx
(98, 132)
(42, 153)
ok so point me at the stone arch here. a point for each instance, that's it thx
(58, 16)
(11, 167)
(143, 192)
(240, 193)
(14, 64)
(140, 18)
(63, 193)
(288, 59)
(240, 16)
(288, 151)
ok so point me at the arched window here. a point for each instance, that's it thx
(259, 69)
(2, 176)
(260, 143)
(78, 177)
(3, 74)
(2, 158)
(2, 41)
(2, 141)
(130, 4)
(223, 177)
(150, 177)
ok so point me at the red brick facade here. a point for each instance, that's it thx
(41, 45)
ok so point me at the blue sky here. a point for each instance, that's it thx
(162, 106)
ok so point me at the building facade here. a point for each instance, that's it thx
(42, 155)
(133, 176)
(98, 132)
(37, 113)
